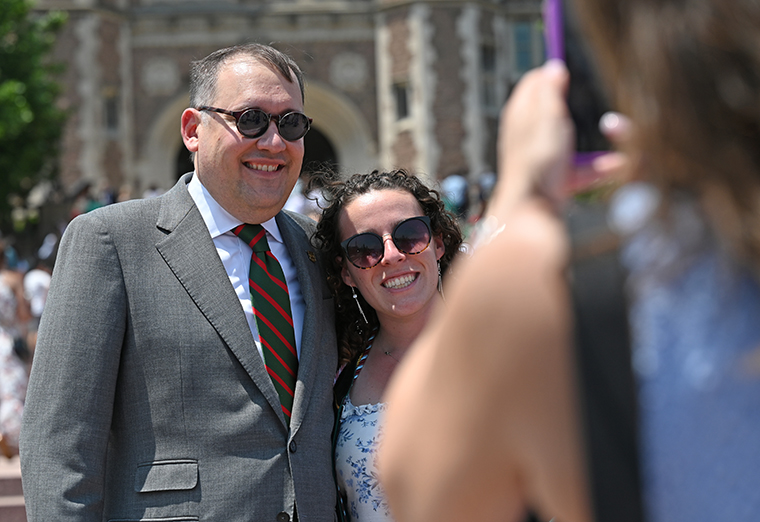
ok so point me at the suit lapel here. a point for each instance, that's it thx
(304, 258)
(191, 255)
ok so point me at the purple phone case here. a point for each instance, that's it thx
(553, 30)
(554, 36)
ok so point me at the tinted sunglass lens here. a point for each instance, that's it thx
(365, 250)
(293, 126)
(253, 123)
(412, 236)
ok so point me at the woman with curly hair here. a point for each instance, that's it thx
(390, 241)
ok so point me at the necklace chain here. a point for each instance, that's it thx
(386, 352)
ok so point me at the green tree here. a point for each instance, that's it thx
(30, 121)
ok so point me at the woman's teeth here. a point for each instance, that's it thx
(400, 282)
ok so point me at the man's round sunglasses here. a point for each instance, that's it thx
(411, 236)
(253, 123)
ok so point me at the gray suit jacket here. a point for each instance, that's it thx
(148, 399)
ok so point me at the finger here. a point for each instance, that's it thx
(556, 71)
(581, 178)
(616, 127)
(610, 164)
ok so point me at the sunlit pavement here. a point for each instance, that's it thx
(11, 496)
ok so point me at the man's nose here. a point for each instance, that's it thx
(271, 139)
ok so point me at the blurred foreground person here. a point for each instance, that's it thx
(390, 240)
(484, 417)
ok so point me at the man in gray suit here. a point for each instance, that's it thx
(149, 397)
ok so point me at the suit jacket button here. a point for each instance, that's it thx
(293, 446)
(283, 517)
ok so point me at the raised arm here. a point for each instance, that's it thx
(482, 419)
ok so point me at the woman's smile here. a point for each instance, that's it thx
(400, 281)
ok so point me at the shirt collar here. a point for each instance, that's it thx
(217, 219)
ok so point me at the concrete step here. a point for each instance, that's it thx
(12, 509)
(11, 495)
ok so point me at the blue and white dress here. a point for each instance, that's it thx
(356, 446)
(695, 320)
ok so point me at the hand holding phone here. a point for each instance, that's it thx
(535, 138)
(586, 100)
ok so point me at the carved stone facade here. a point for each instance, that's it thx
(390, 83)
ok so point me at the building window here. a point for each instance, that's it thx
(401, 96)
(111, 110)
(488, 75)
(523, 46)
(488, 58)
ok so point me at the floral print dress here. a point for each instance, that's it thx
(356, 446)
(355, 453)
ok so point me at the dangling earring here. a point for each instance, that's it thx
(356, 298)
(440, 282)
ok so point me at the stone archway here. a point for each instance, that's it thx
(157, 165)
(341, 122)
(319, 153)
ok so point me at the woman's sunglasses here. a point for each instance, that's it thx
(253, 123)
(411, 236)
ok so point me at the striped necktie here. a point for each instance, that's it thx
(271, 306)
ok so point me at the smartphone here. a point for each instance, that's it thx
(586, 99)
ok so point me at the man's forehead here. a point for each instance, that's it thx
(243, 62)
(245, 81)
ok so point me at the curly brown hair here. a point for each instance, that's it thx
(353, 332)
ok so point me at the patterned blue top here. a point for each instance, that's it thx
(695, 318)
(355, 453)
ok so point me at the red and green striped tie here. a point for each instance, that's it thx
(271, 305)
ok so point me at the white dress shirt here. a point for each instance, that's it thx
(236, 258)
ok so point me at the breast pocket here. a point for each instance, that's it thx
(169, 519)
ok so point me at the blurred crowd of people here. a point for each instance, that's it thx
(24, 283)
(464, 195)
(22, 298)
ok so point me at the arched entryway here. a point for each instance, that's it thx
(319, 153)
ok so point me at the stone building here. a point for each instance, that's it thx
(389, 83)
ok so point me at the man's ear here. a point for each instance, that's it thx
(191, 120)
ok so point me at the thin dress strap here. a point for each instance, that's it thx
(363, 358)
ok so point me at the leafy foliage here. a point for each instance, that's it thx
(30, 121)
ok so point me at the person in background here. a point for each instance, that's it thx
(37, 285)
(309, 204)
(484, 417)
(157, 391)
(14, 313)
(486, 183)
(390, 240)
(456, 194)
